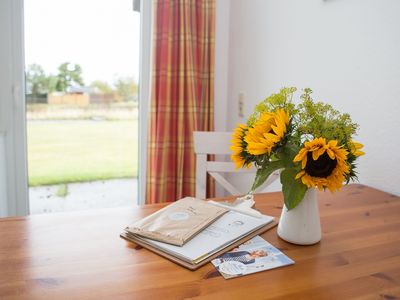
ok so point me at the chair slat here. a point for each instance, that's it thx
(225, 183)
(218, 143)
(226, 167)
(212, 142)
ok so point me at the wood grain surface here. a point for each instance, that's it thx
(81, 256)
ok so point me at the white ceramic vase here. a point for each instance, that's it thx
(301, 225)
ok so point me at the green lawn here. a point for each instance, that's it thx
(76, 151)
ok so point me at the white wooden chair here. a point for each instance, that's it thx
(217, 143)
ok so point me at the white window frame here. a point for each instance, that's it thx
(12, 110)
(146, 17)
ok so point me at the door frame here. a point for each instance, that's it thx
(12, 112)
(146, 17)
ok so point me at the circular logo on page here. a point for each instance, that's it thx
(178, 216)
(232, 267)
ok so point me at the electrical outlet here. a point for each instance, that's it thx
(241, 105)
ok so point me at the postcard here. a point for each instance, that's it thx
(253, 256)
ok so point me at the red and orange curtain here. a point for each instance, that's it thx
(182, 97)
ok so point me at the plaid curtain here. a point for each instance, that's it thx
(182, 99)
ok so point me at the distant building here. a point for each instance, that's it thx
(76, 99)
(80, 96)
(80, 90)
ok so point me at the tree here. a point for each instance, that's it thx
(126, 88)
(102, 86)
(37, 82)
(68, 75)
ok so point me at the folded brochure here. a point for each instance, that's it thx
(253, 256)
(226, 230)
(178, 222)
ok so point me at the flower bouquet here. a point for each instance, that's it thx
(311, 143)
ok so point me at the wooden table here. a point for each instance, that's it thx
(80, 256)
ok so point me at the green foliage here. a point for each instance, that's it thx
(126, 88)
(38, 82)
(68, 75)
(102, 86)
(317, 119)
(351, 158)
(293, 190)
(283, 99)
(263, 173)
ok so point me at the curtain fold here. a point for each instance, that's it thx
(182, 97)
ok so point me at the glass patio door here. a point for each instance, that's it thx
(13, 148)
(82, 71)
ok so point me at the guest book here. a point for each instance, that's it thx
(229, 230)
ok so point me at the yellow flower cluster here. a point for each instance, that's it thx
(355, 148)
(268, 131)
(323, 164)
(260, 138)
(310, 143)
(238, 146)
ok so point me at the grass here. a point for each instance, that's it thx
(76, 151)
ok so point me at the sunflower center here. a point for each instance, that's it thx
(322, 167)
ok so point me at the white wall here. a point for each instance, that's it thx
(221, 64)
(221, 74)
(347, 51)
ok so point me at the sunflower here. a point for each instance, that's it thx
(323, 165)
(238, 147)
(267, 132)
(355, 148)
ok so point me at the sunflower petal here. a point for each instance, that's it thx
(331, 153)
(304, 162)
(301, 173)
(300, 155)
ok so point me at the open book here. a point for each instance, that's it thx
(230, 230)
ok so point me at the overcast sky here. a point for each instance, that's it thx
(100, 35)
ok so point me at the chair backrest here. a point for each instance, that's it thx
(205, 143)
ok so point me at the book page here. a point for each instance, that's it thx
(230, 227)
